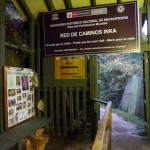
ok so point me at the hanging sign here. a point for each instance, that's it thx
(107, 28)
(72, 67)
(19, 95)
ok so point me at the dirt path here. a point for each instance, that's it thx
(125, 135)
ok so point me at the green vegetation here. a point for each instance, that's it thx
(17, 31)
(128, 117)
(115, 69)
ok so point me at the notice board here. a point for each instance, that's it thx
(18, 95)
(101, 29)
(70, 67)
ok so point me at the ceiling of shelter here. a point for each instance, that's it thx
(31, 8)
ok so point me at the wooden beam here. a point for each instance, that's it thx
(148, 20)
(94, 92)
(93, 2)
(64, 115)
(103, 136)
(21, 12)
(38, 61)
(50, 4)
(32, 43)
(2, 60)
(66, 4)
(24, 8)
(147, 90)
(147, 72)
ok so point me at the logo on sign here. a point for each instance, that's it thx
(71, 14)
(74, 14)
(120, 9)
(55, 17)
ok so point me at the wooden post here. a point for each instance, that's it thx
(147, 71)
(94, 93)
(64, 111)
(2, 59)
(32, 43)
(147, 90)
(148, 20)
(38, 60)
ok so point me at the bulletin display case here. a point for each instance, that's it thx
(18, 95)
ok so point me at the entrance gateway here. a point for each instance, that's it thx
(50, 91)
(101, 29)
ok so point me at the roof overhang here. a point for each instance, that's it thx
(31, 8)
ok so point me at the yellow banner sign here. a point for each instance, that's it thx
(70, 67)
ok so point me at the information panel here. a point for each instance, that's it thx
(108, 28)
(70, 67)
(19, 95)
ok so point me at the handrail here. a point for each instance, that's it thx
(103, 136)
(98, 100)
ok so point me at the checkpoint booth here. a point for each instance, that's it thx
(65, 38)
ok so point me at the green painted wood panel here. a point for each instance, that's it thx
(148, 22)
(71, 119)
(51, 101)
(77, 4)
(49, 76)
(57, 111)
(142, 11)
(147, 72)
(77, 108)
(147, 89)
(45, 102)
(84, 110)
(64, 111)
(94, 92)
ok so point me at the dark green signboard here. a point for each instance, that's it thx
(102, 29)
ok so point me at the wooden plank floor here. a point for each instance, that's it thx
(69, 143)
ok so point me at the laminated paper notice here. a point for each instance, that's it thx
(70, 67)
(19, 95)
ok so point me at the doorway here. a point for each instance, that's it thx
(121, 81)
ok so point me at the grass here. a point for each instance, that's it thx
(128, 117)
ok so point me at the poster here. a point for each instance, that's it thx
(19, 95)
(70, 67)
(91, 30)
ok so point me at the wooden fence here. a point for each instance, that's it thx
(103, 136)
(68, 109)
